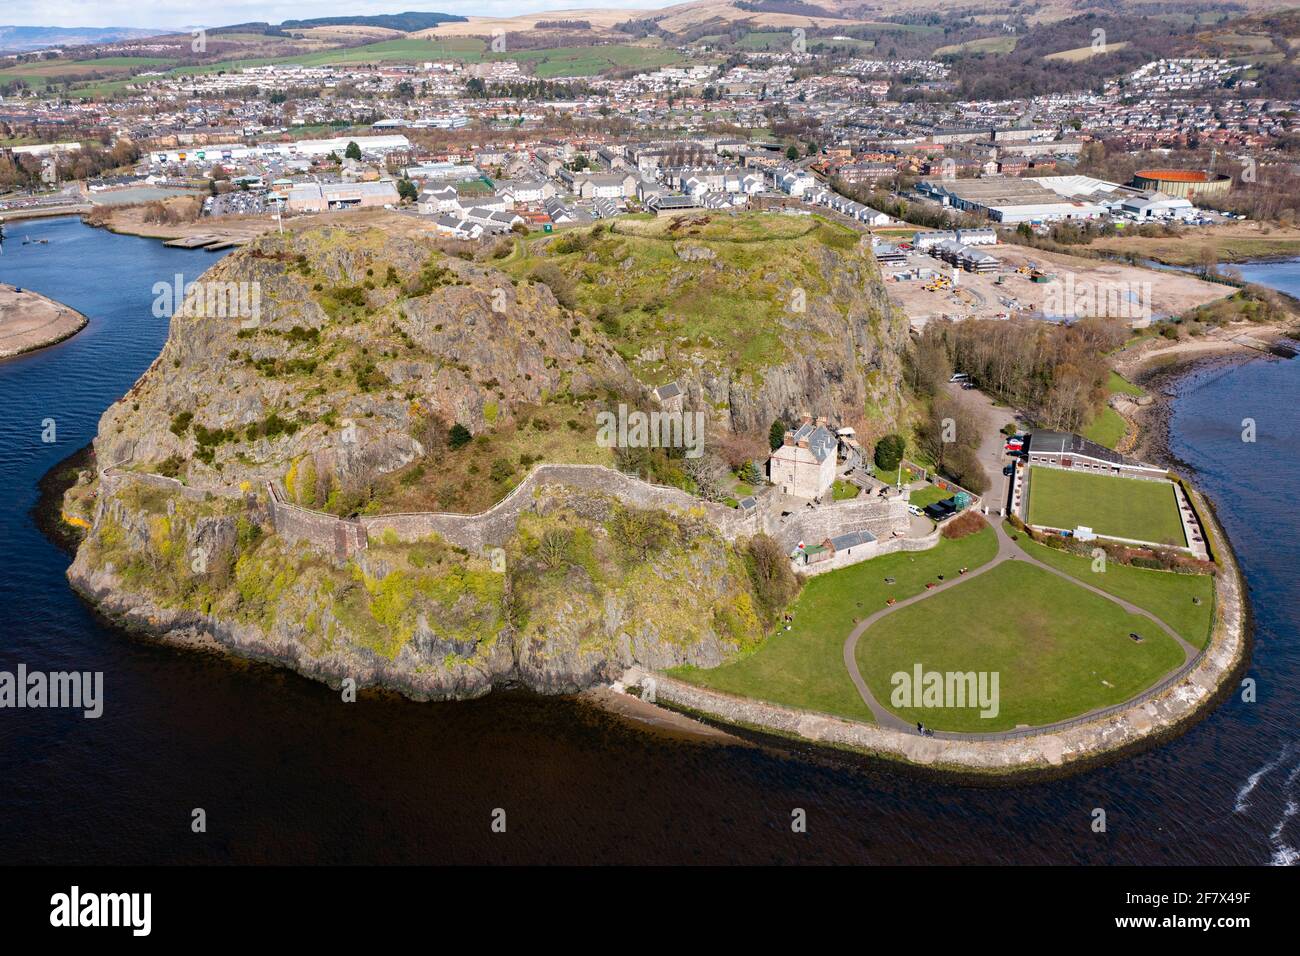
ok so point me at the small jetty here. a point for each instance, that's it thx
(1279, 349)
(193, 242)
(209, 242)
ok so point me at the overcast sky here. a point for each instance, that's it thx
(173, 14)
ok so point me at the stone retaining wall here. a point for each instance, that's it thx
(325, 532)
(876, 549)
(882, 517)
(494, 526)
(114, 479)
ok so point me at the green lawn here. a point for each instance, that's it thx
(843, 490)
(1119, 384)
(891, 476)
(804, 667)
(1059, 651)
(1115, 507)
(927, 495)
(1165, 594)
(1107, 428)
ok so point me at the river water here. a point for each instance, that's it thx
(286, 773)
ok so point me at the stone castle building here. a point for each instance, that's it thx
(804, 466)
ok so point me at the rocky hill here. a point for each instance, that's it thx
(757, 318)
(368, 369)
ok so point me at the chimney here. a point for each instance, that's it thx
(806, 419)
(803, 443)
(789, 438)
(821, 422)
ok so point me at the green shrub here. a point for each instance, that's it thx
(458, 436)
(889, 452)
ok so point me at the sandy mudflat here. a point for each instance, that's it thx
(30, 321)
(1155, 352)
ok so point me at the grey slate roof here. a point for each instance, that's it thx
(820, 441)
(1067, 443)
(671, 390)
(852, 539)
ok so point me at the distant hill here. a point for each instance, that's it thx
(24, 39)
(406, 22)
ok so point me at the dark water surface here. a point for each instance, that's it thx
(287, 773)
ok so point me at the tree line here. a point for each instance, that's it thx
(1055, 373)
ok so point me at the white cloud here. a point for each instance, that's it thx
(174, 14)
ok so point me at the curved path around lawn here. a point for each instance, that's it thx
(1008, 550)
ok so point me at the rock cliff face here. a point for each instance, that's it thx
(359, 338)
(756, 317)
(843, 357)
(356, 348)
(583, 590)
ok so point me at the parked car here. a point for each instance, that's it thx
(942, 510)
(959, 377)
(1009, 470)
(915, 511)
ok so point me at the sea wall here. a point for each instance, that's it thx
(1164, 710)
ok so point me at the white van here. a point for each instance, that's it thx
(960, 377)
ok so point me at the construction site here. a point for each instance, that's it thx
(954, 281)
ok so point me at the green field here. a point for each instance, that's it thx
(547, 64)
(591, 60)
(804, 667)
(1107, 428)
(1112, 507)
(1001, 44)
(1059, 651)
(1165, 594)
(53, 72)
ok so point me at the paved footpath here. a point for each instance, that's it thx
(1008, 550)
